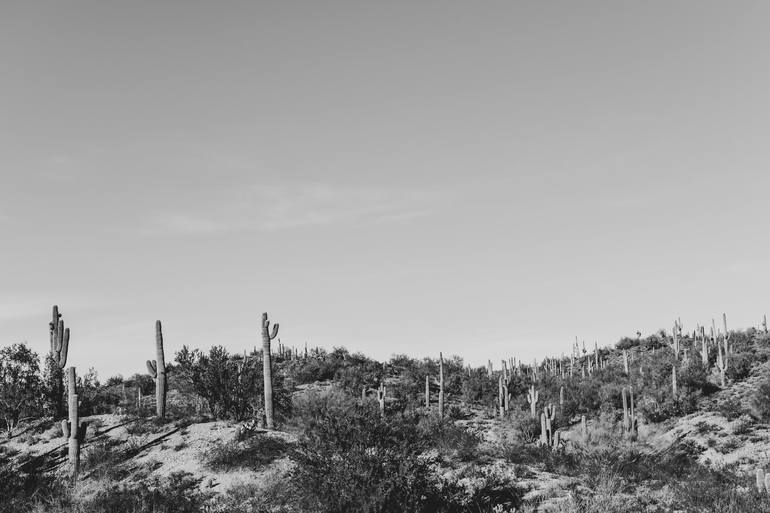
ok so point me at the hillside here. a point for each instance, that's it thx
(354, 434)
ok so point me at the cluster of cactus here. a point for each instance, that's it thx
(629, 413)
(73, 430)
(157, 369)
(57, 359)
(267, 369)
(549, 437)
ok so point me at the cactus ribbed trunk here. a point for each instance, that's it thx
(72, 429)
(441, 385)
(160, 383)
(157, 369)
(267, 368)
(673, 380)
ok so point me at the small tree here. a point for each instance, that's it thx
(20, 384)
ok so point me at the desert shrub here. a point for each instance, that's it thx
(743, 425)
(479, 388)
(760, 401)
(730, 408)
(540, 456)
(231, 385)
(252, 453)
(704, 489)
(21, 388)
(271, 494)
(177, 493)
(382, 470)
(526, 427)
(739, 366)
(20, 488)
(449, 438)
(626, 343)
(101, 459)
(476, 490)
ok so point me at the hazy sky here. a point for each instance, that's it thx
(487, 179)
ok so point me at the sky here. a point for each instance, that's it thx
(487, 179)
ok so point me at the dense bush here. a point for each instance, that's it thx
(21, 387)
(349, 459)
(232, 386)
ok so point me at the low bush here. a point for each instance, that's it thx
(252, 453)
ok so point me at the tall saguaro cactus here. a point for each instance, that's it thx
(73, 430)
(427, 391)
(157, 369)
(267, 368)
(441, 385)
(57, 359)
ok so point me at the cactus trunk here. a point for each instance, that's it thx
(73, 429)
(160, 381)
(441, 385)
(267, 369)
(56, 361)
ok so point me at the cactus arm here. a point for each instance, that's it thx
(275, 331)
(152, 368)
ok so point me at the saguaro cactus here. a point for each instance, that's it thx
(57, 359)
(673, 379)
(532, 397)
(441, 385)
(675, 340)
(427, 392)
(73, 430)
(629, 414)
(157, 369)
(760, 476)
(500, 397)
(584, 428)
(548, 436)
(722, 364)
(267, 368)
(381, 399)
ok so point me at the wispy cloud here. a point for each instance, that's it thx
(280, 207)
